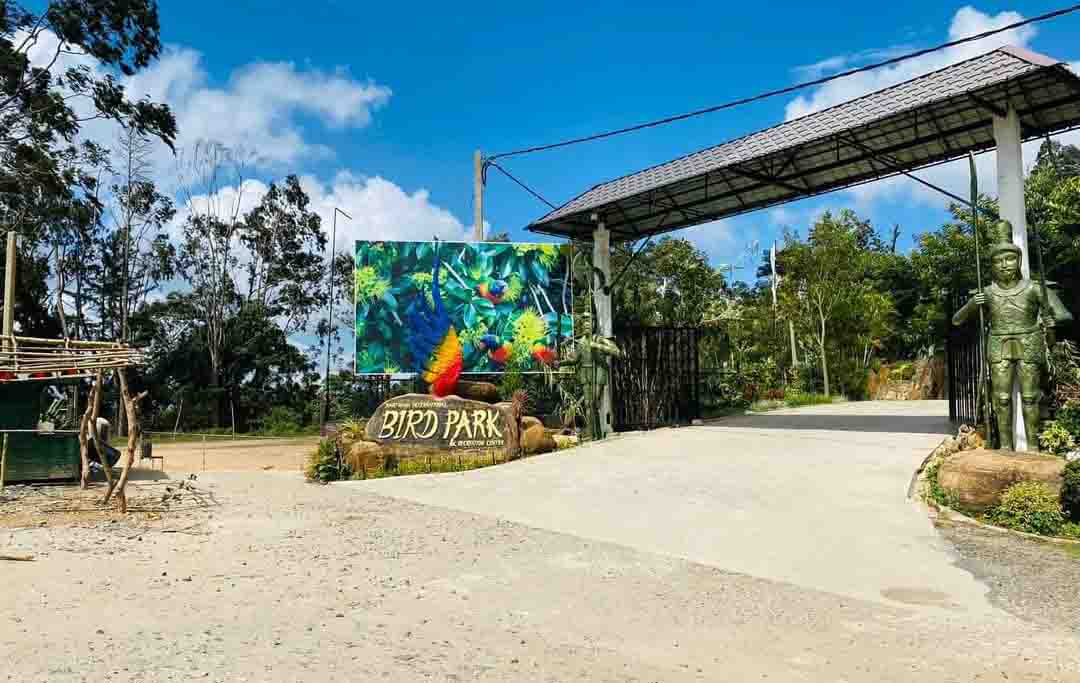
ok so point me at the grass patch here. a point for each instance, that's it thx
(436, 464)
(794, 399)
(934, 490)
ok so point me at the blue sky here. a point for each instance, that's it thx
(380, 105)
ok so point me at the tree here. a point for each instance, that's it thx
(670, 282)
(823, 276)
(58, 69)
(277, 248)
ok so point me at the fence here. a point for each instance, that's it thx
(963, 364)
(657, 381)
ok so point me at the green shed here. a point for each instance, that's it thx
(34, 457)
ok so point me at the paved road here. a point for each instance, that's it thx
(814, 497)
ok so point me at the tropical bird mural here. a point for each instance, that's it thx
(433, 341)
(498, 351)
(493, 290)
(543, 354)
(447, 309)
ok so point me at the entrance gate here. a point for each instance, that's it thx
(656, 382)
(962, 365)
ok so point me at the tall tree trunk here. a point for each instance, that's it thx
(824, 357)
(131, 404)
(84, 437)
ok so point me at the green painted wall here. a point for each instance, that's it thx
(34, 457)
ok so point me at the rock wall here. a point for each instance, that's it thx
(927, 381)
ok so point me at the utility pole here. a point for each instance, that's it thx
(330, 319)
(478, 196)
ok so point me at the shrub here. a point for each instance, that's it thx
(796, 399)
(1056, 439)
(323, 464)
(280, 421)
(1029, 506)
(1068, 418)
(1070, 491)
(902, 372)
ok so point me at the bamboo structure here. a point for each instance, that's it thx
(30, 358)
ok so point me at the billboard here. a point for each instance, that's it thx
(509, 304)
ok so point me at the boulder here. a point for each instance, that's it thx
(364, 456)
(477, 391)
(529, 421)
(977, 478)
(536, 440)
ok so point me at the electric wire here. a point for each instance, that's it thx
(783, 91)
(534, 193)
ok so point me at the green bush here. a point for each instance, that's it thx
(796, 399)
(1056, 439)
(1029, 506)
(1070, 491)
(1068, 418)
(902, 372)
(280, 421)
(323, 464)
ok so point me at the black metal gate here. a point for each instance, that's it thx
(655, 383)
(963, 365)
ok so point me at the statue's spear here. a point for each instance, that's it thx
(984, 365)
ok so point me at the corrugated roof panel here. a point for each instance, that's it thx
(883, 119)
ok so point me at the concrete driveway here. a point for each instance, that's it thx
(814, 497)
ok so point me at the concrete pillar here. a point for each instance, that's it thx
(603, 325)
(1010, 177)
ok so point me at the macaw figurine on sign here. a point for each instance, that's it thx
(498, 352)
(493, 291)
(433, 341)
(543, 354)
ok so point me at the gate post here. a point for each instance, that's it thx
(602, 304)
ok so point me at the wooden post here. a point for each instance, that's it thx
(3, 463)
(602, 300)
(478, 196)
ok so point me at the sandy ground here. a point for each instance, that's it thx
(259, 576)
(223, 455)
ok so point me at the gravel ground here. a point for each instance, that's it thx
(1035, 580)
(279, 580)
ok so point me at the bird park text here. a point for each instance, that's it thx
(446, 422)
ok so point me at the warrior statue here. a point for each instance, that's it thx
(1015, 343)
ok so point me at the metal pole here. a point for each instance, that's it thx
(330, 318)
(983, 360)
(9, 288)
(478, 196)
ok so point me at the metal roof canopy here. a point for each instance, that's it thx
(925, 121)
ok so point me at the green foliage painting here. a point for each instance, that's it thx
(510, 303)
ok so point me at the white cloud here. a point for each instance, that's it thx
(952, 176)
(842, 62)
(258, 108)
(380, 210)
(966, 22)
